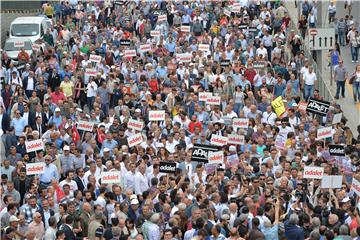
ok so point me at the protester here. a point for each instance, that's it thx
(176, 120)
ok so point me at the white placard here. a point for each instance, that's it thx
(19, 44)
(213, 100)
(145, 47)
(135, 124)
(155, 33)
(203, 96)
(130, 53)
(85, 126)
(337, 118)
(95, 58)
(218, 140)
(235, 8)
(158, 115)
(36, 47)
(162, 18)
(204, 47)
(216, 157)
(324, 132)
(135, 139)
(236, 139)
(35, 145)
(35, 168)
(183, 57)
(313, 172)
(111, 177)
(184, 28)
(227, 12)
(332, 181)
(240, 123)
(91, 72)
(355, 186)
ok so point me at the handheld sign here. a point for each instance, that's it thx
(355, 186)
(136, 125)
(155, 33)
(313, 172)
(200, 152)
(157, 115)
(213, 100)
(167, 167)
(278, 105)
(227, 12)
(85, 126)
(185, 28)
(35, 168)
(158, 12)
(318, 107)
(145, 48)
(204, 47)
(162, 18)
(302, 106)
(225, 63)
(95, 58)
(236, 139)
(124, 42)
(135, 139)
(332, 181)
(91, 72)
(216, 157)
(337, 118)
(203, 96)
(130, 53)
(111, 177)
(259, 65)
(324, 132)
(336, 150)
(240, 122)
(35, 145)
(183, 57)
(218, 140)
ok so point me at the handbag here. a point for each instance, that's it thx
(352, 79)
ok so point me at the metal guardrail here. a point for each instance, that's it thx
(322, 86)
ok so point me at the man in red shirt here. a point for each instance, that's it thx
(57, 96)
(194, 123)
(250, 74)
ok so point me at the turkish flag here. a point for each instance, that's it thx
(75, 134)
(100, 136)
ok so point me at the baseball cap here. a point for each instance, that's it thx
(106, 150)
(57, 109)
(134, 202)
(13, 219)
(346, 199)
(66, 148)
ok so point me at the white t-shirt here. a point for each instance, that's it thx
(261, 51)
(310, 78)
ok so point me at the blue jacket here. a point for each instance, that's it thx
(293, 232)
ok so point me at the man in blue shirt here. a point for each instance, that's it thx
(18, 123)
(51, 172)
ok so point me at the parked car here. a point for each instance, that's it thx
(14, 45)
(33, 28)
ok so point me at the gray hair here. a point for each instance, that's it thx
(315, 222)
(314, 235)
(294, 219)
(344, 230)
(155, 218)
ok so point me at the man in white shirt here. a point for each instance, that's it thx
(129, 178)
(69, 180)
(269, 116)
(171, 143)
(309, 82)
(141, 182)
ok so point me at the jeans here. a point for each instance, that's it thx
(238, 107)
(342, 40)
(354, 53)
(356, 90)
(308, 91)
(90, 102)
(340, 85)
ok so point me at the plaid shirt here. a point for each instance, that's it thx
(28, 212)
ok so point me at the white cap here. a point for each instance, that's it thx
(346, 199)
(13, 219)
(79, 109)
(66, 148)
(232, 148)
(138, 110)
(133, 196)
(106, 150)
(134, 202)
(57, 109)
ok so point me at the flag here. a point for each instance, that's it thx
(75, 134)
(100, 136)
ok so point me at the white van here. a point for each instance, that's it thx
(32, 28)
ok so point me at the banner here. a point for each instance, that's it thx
(200, 152)
(204, 47)
(203, 96)
(324, 132)
(167, 167)
(95, 58)
(318, 107)
(183, 57)
(158, 115)
(213, 100)
(332, 181)
(85, 126)
(218, 140)
(135, 139)
(280, 141)
(35, 168)
(124, 42)
(134, 124)
(258, 65)
(91, 72)
(145, 47)
(355, 186)
(336, 150)
(130, 53)
(155, 33)
(278, 106)
(225, 63)
(236, 139)
(184, 28)
(313, 172)
(216, 157)
(162, 18)
(111, 177)
(35, 145)
(240, 123)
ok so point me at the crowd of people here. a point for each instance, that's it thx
(177, 74)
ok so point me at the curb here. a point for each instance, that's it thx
(9, 11)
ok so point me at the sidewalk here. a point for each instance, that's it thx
(351, 110)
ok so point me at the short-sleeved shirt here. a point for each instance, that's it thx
(340, 73)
